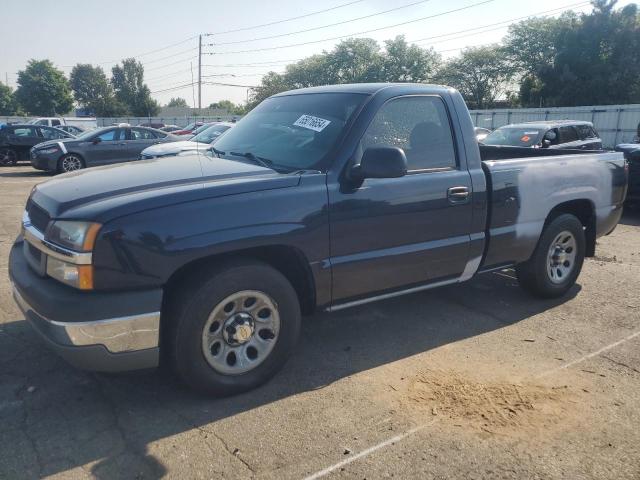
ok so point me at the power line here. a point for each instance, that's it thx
(143, 54)
(177, 87)
(321, 26)
(287, 19)
(545, 13)
(229, 85)
(257, 64)
(170, 56)
(171, 64)
(477, 4)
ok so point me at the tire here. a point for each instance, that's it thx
(221, 351)
(557, 260)
(8, 157)
(70, 163)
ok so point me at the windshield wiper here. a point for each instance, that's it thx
(216, 151)
(263, 162)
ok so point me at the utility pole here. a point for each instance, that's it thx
(200, 72)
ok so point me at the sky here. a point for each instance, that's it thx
(163, 34)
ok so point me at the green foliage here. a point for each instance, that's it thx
(579, 59)
(92, 89)
(177, 102)
(355, 60)
(230, 107)
(130, 90)
(43, 89)
(481, 74)
(8, 104)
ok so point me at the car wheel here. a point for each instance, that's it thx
(234, 328)
(557, 260)
(8, 157)
(70, 163)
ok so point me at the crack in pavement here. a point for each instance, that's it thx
(621, 364)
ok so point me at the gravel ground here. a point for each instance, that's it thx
(470, 381)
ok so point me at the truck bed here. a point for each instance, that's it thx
(525, 185)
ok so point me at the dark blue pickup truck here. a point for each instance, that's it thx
(320, 198)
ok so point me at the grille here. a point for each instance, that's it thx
(38, 216)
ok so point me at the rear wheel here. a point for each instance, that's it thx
(557, 260)
(234, 328)
(8, 157)
(70, 163)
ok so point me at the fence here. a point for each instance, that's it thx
(106, 121)
(615, 123)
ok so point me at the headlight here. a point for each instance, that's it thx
(78, 236)
(47, 151)
(78, 276)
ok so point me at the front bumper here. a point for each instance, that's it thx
(99, 331)
(44, 162)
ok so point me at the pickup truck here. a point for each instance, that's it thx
(320, 198)
(86, 123)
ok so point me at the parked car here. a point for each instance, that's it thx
(201, 141)
(84, 122)
(189, 129)
(564, 134)
(98, 147)
(481, 133)
(16, 140)
(158, 125)
(320, 198)
(72, 129)
(170, 128)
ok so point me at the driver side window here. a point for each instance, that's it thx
(420, 126)
(109, 135)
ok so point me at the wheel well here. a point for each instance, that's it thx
(289, 261)
(584, 210)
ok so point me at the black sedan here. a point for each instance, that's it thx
(17, 140)
(97, 147)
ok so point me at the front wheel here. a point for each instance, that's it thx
(233, 329)
(70, 163)
(557, 260)
(8, 157)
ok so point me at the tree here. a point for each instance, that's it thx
(481, 74)
(8, 104)
(402, 62)
(130, 89)
(43, 89)
(92, 90)
(177, 102)
(229, 107)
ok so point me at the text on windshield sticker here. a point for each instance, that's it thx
(312, 123)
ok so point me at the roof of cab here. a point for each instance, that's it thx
(365, 88)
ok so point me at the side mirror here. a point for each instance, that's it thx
(380, 162)
(96, 140)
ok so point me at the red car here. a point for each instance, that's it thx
(189, 129)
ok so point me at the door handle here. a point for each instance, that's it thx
(458, 194)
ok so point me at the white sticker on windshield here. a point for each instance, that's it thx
(316, 124)
(530, 133)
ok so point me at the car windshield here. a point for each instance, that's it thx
(201, 129)
(191, 126)
(515, 136)
(294, 132)
(211, 133)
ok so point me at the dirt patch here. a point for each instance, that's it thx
(495, 407)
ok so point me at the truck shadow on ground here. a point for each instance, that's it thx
(56, 418)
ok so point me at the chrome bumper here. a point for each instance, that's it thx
(117, 335)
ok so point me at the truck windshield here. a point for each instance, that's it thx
(294, 132)
(515, 136)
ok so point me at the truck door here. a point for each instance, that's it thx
(401, 232)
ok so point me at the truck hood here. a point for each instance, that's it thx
(173, 148)
(102, 193)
